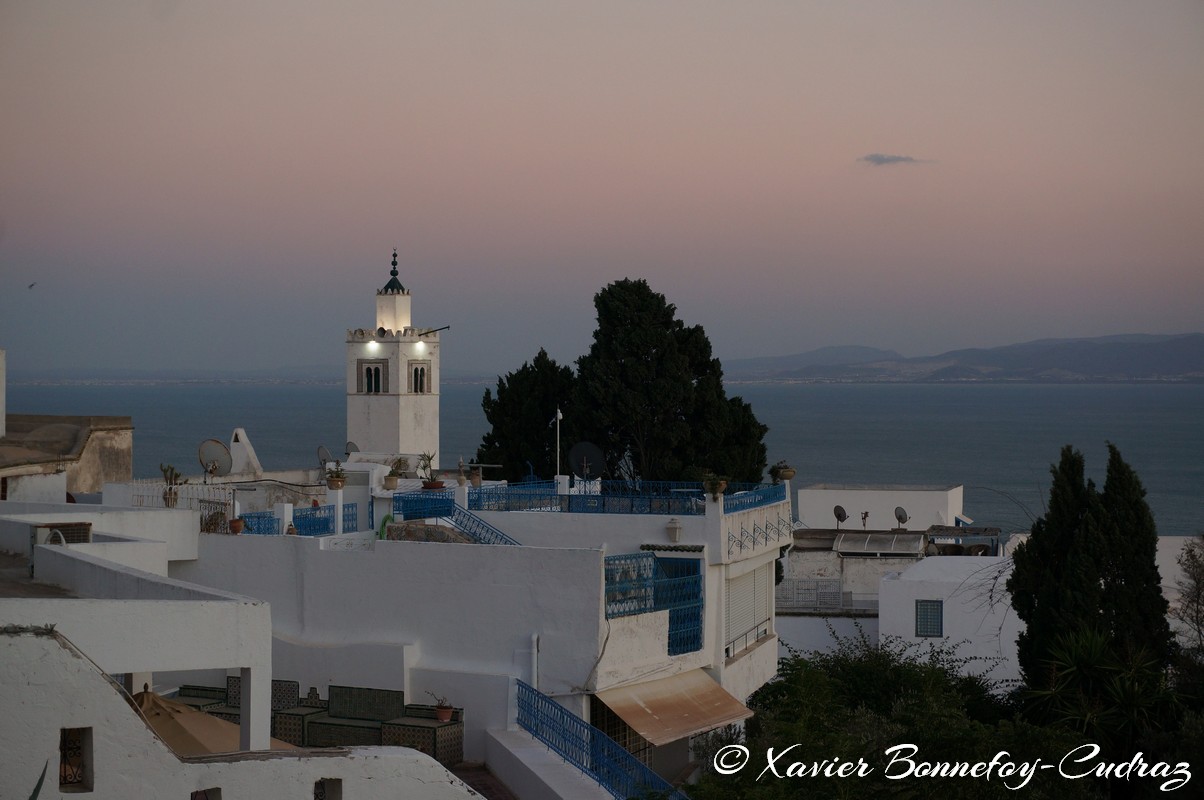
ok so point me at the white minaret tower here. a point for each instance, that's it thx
(393, 380)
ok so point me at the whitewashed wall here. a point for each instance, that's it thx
(615, 533)
(988, 629)
(805, 633)
(467, 607)
(38, 488)
(177, 527)
(926, 505)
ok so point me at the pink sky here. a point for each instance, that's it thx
(221, 183)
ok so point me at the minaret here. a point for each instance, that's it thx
(393, 379)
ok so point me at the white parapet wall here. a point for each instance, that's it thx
(925, 506)
(177, 528)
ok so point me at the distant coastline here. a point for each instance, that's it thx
(1105, 360)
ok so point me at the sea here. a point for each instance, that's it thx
(996, 440)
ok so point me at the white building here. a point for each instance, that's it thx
(960, 599)
(550, 613)
(875, 508)
(964, 600)
(101, 607)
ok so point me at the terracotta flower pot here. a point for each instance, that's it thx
(443, 713)
(335, 483)
(236, 525)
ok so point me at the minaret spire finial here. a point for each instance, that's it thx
(393, 286)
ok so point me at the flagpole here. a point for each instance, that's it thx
(558, 418)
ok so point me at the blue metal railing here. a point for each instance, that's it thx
(639, 583)
(753, 496)
(351, 515)
(423, 505)
(442, 505)
(260, 522)
(480, 530)
(518, 497)
(314, 521)
(588, 749)
(628, 579)
(675, 498)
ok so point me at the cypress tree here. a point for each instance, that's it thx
(520, 434)
(651, 394)
(1135, 611)
(1056, 577)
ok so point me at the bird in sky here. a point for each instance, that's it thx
(35, 283)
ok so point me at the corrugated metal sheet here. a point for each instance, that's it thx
(669, 709)
(902, 543)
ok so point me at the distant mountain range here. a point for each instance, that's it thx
(1118, 359)
(1125, 358)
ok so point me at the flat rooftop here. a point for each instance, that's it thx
(15, 580)
(882, 487)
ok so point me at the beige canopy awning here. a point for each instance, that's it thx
(669, 709)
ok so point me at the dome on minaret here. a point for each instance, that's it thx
(393, 286)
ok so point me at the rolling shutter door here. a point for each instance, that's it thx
(761, 592)
(741, 599)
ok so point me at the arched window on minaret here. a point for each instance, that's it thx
(420, 377)
(373, 376)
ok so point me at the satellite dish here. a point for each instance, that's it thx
(840, 514)
(352, 447)
(214, 457)
(586, 461)
(324, 456)
(901, 515)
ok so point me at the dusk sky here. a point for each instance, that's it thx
(221, 184)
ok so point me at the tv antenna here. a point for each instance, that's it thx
(324, 456)
(215, 458)
(586, 460)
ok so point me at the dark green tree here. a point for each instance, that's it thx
(526, 402)
(861, 699)
(650, 394)
(1096, 651)
(1136, 610)
(1056, 580)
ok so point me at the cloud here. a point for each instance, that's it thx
(881, 159)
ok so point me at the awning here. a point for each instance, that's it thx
(669, 709)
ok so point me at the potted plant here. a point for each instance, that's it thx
(336, 478)
(714, 484)
(426, 470)
(396, 470)
(236, 525)
(474, 474)
(171, 476)
(782, 471)
(443, 709)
